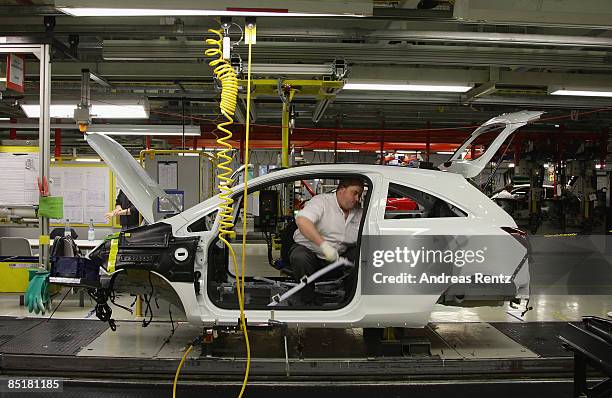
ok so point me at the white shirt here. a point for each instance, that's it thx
(328, 217)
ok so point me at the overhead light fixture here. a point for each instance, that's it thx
(262, 8)
(4, 119)
(445, 152)
(511, 165)
(157, 12)
(583, 93)
(117, 129)
(2, 79)
(407, 87)
(141, 130)
(122, 109)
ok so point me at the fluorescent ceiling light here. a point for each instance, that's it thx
(5, 118)
(117, 129)
(511, 165)
(147, 12)
(142, 130)
(445, 152)
(98, 111)
(583, 93)
(406, 87)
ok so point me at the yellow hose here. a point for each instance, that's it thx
(229, 94)
(178, 370)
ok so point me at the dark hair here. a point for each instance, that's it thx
(350, 182)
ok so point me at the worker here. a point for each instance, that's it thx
(328, 226)
(127, 212)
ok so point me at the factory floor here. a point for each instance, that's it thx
(467, 330)
(471, 352)
(464, 343)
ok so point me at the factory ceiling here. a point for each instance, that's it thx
(510, 64)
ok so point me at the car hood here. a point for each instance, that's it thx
(133, 180)
(510, 123)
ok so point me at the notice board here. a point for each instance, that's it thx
(18, 171)
(86, 190)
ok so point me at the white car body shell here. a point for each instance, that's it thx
(484, 217)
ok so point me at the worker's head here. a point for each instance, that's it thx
(349, 192)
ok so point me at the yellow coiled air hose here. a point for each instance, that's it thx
(229, 94)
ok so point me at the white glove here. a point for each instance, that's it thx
(329, 252)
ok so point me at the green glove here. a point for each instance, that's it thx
(37, 296)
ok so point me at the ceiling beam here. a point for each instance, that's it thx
(172, 71)
(485, 88)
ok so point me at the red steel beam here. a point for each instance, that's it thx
(58, 143)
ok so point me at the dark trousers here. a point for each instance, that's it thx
(305, 262)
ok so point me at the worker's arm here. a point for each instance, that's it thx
(308, 229)
(310, 232)
(117, 212)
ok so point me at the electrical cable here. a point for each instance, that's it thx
(103, 311)
(171, 320)
(60, 303)
(47, 319)
(149, 309)
(147, 301)
(112, 296)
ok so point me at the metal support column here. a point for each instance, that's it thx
(285, 135)
(44, 145)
